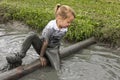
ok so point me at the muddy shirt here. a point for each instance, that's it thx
(53, 34)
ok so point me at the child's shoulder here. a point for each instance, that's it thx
(51, 24)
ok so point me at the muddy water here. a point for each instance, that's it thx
(93, 63)
(12, 36)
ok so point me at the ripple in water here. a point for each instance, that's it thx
(91, 65)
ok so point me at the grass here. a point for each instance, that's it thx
(99, 18)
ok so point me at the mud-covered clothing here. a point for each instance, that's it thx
(53, 34)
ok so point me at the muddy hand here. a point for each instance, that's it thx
(43, 61)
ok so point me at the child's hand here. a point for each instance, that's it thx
(43, 61)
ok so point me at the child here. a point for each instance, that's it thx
(50, 38)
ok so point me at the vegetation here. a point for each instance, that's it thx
(99, 18)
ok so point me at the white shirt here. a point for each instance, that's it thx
(53, 34)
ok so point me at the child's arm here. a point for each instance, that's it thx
(43, 49)
(46, 33)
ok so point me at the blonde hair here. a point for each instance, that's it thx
(63, 10)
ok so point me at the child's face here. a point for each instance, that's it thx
(64, 23)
